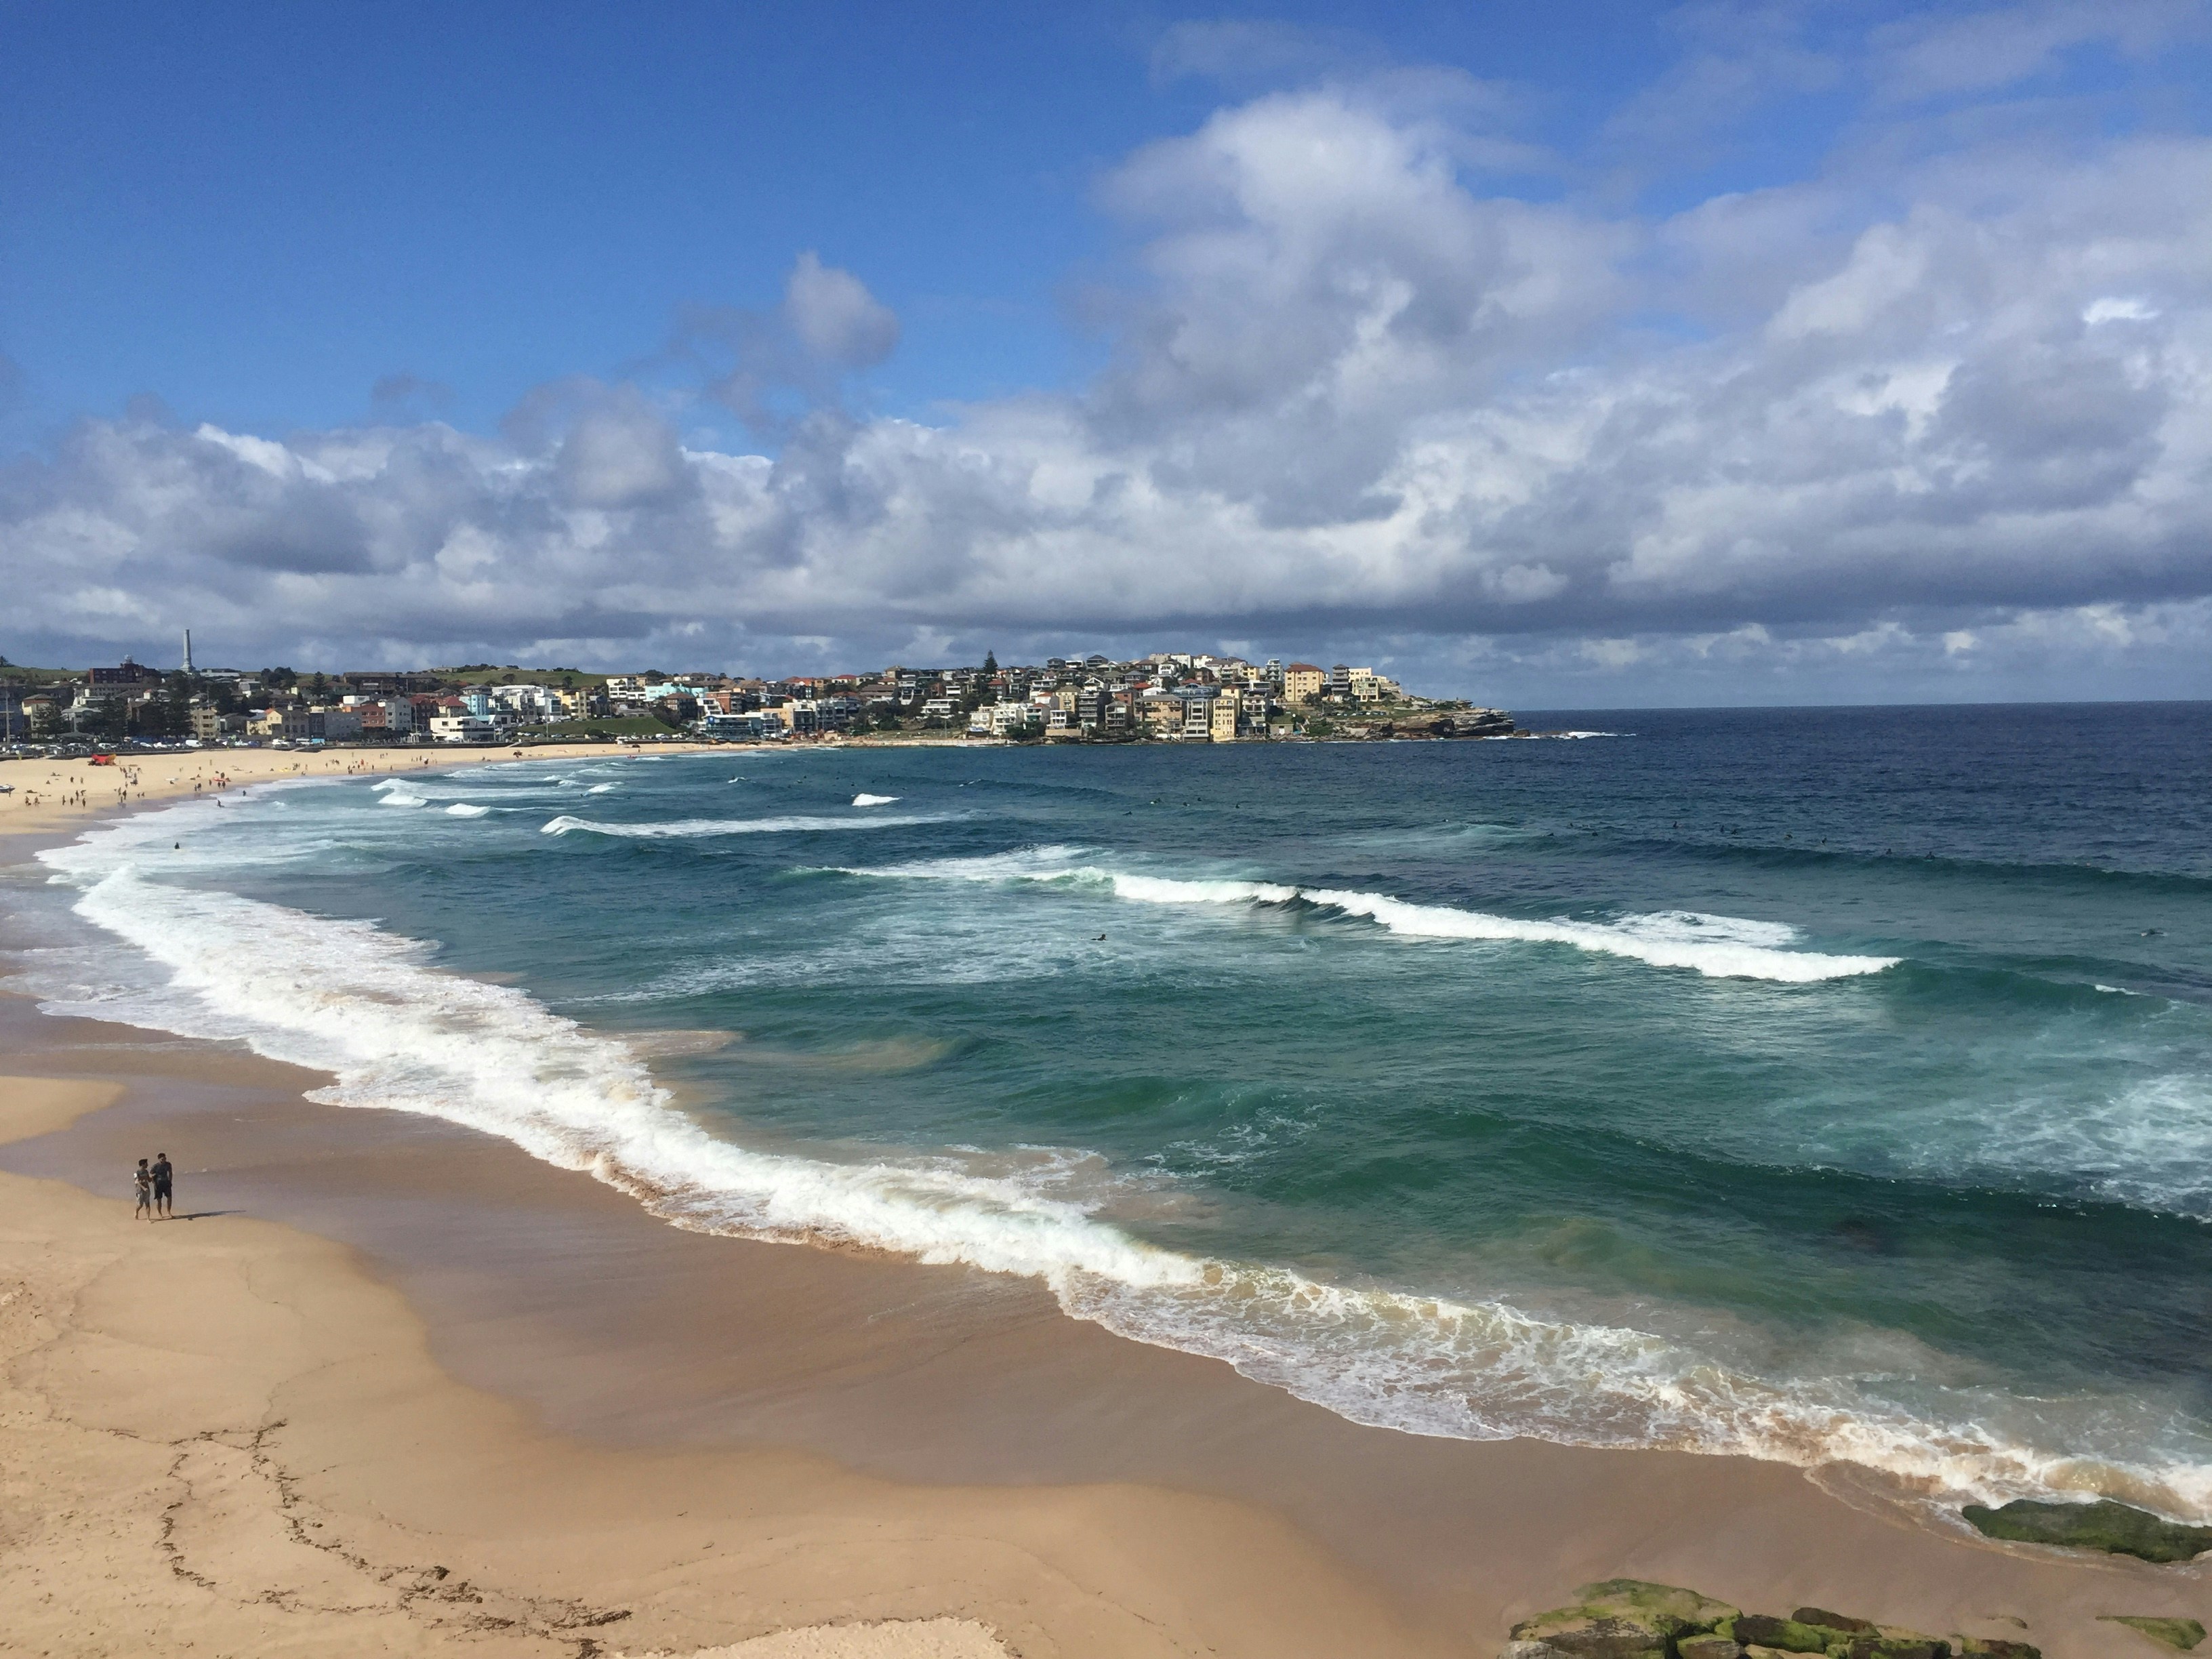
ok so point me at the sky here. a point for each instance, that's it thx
(1586, 354)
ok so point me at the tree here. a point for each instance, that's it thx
(279, 680)
(990, 663)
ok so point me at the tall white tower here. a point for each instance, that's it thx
(188, 651)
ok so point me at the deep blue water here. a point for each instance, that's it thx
(1809, 1083)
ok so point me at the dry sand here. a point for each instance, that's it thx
(485, 1402)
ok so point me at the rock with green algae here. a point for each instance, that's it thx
(1996, 1647)
(1835, 1621)
(2179, 1634)
(1623, 1618)
(2117, 1528)
(1890, 1642)
(1762, 1630)
(1833, 1635)
(1707, 1647)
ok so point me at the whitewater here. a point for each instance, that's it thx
(1475, 1135)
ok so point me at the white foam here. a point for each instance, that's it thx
(2148, 1143)
(689, 826)
(462, 808)
(602, 788)
(1023, 864)
(402, 796)
(396, 1033)
(1721, 947)
(873, 801)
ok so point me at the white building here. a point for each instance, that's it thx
(462, 728)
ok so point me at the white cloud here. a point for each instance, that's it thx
(836, 317)
(1353, 394)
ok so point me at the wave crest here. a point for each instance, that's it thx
(1719, 947)
(681, 829)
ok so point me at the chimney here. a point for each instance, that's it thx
(188, 651)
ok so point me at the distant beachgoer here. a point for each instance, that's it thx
(143, 1177)
(165, 1176)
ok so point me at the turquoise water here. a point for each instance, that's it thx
(1812, 1084)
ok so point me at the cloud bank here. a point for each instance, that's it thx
(1935, 420)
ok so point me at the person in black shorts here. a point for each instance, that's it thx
(164, 1184)
(143, 1178)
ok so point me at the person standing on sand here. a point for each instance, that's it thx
(164, 1186)
(144, 1179)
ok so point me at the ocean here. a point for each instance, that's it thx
(1814, 1086)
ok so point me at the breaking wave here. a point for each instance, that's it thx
(1721, 947)
(398, 1034)
(685, 828)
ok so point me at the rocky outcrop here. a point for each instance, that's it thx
(1621, 1618)
(1628, 1618)
(2117, 1528)
(2179, 1634)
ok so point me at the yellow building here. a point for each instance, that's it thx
(1302, 682)
(1224, 717)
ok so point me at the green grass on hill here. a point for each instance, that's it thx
(481, 673)
(16, 674)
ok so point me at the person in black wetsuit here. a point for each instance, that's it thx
(164, 1179)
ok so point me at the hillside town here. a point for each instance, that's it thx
(1165, 697)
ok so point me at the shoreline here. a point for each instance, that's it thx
(156, 778)
(613, 1336)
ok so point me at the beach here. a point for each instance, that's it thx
(51, 795)
(398, 1385)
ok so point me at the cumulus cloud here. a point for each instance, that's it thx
(834, 317)
(767, 366)
(1917, 434)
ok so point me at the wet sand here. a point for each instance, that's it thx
(514, 1372)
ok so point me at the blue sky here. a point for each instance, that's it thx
(257, 213)
(1595, 355)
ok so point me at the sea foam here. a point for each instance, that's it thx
(683, 828)
(398, 1034)
(1720, 947)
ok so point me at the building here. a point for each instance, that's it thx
(460, 725)
(129, 676)
(1225, 709)
(207, 726)
(1303, 682)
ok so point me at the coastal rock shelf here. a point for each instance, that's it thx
(1628, 1618)
(2180, 1634)
(2116, 1528)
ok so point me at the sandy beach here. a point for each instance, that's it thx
(53, 795)
(396, 1387)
